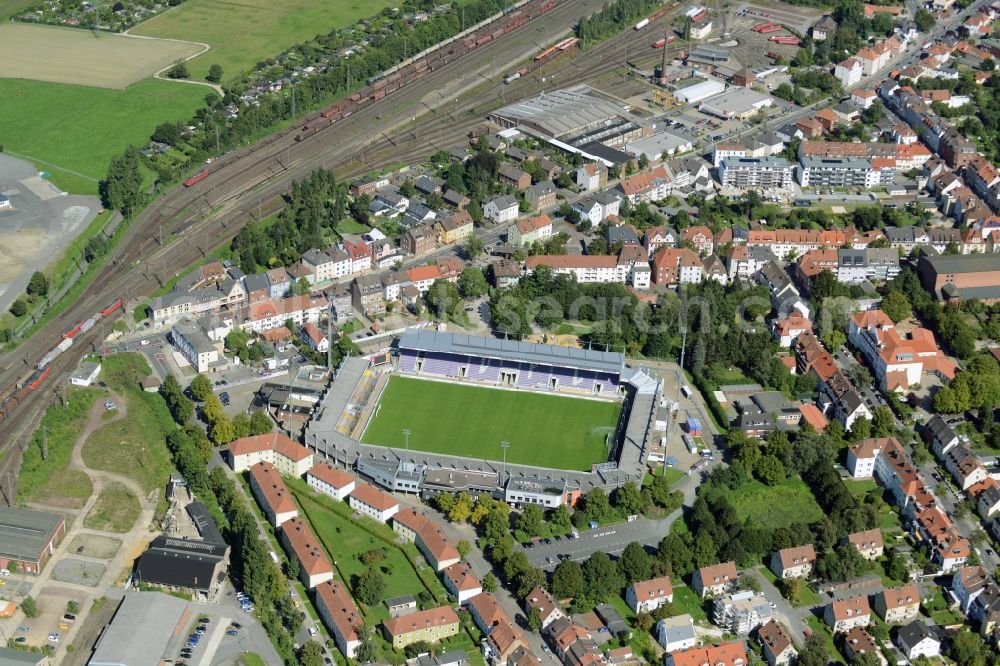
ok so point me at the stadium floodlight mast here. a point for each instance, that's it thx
(406, 439)
(504, 445)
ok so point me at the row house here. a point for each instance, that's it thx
(837, 394)
(701, 237)
(502, 635)
(501, 209)
(271, 493)
(849, 72)
(330, 481)
(431, 626)
(428, 536)
(541, 195)
(300, 310)
(858, 641)
(675, 266)
(949, 549)
(341, 616)
(869, 543)
(418, 240)
(797, 562)
(360, 254)
(743, 261)
(530, 230)
(591, 176)
(573, 643)
(981, 176)
(287, 456)
(174, 306)
(784, 242)
(455, 228)
(964, 466)
(647, 186)
(301, 544)
(731, 653)
(654, 238)
(876, 57)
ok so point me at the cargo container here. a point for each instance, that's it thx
(642, 24)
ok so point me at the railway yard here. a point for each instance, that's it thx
(435, 111)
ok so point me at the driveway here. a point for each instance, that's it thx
(793, 618)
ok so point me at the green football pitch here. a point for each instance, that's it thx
(544, 430)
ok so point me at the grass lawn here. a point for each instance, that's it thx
(68, 128)
(66, 487)
(860, 487)
(788, 502)
(686, 601)
(11, 7)
(62, 426)
(254, 30)
(115, 510)
(673, 476)
(251, 659)
(817, 626)
(345, 540)
(134, 446)
(472, 421)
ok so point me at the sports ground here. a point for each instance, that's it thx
(544, 430)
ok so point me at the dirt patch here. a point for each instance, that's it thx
(80, 572)
(100, 547)
(115, 510)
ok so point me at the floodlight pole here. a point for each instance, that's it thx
(677, 398)
(406, 439)
(504, 445)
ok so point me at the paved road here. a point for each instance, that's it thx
(793, 618)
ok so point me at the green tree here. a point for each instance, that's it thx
(461, 510)
(924, 20)
(241, 426)
(897, 306)
(121, 189)
(814, 651)
(311, 653)
(19, 308)
(629, 500)
(967, 649)
(883, 424)
(178, 71)
(474, 246)
(567, 580)
(292, 568)
(260, 422)
(866, 659)
(38, 285)
(559, 519)
(214, 74)
(596, 506)
(534, 621)
(530, 520)
(601, 577)
(222, 430)
(635, 563)
(368, 587)
(490, 582)
(201, 388)
(770, 470)
(464, 548)
(472, 283)
(29, 606)
(861, 429)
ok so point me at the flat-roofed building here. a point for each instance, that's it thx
(141, 630)
(756, 173)
(28, 538)
(737, 102)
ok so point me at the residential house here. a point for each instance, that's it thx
(530, 230)
(741, 612)
(732, 653)
(849, 72)
(368, 295)
(541, 195)
(797, 562)
(648, 595)
(858, 641)
(301, 544)
(360, 254)
(341, 616)
(597, 207)
(372, 502)
(273, 314)
(418, 239)
(940, 436)
(646, 186)
(897, 605)
(869, 543)
(916, 639)
(432, 625)
(501, 209)
(539, 599)
(715, 579)
(287, 456)
(330, 480)
(455, 228)
(504, 273)
(272, 494)
(676, 633)
(428, 536)
(591, 176)
(846, 614)
(701, 237)
(315, 338)
(775, 644)
(514, 176)
(673, 266)
(461, 582)
(968, 583)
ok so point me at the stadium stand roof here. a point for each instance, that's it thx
(512, 350)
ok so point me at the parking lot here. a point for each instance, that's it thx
(49, 627)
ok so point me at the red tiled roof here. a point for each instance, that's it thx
(327, 473)
(373, 497)
(272, 441)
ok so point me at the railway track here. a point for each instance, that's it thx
(250, 182)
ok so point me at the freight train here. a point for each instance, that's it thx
(33, 380)
(419, 66)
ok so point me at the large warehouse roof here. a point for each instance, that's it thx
(140, 630)
(512, 350)
(736, 102)
(24, 534)
(964, 263)
(562, 112)
(699, 91)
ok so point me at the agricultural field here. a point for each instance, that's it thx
(544, 430)
(83, 57)
(242, 35)
(73, 131)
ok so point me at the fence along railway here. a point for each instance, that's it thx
(24, 383)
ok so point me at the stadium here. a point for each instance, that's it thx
(499, 412)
